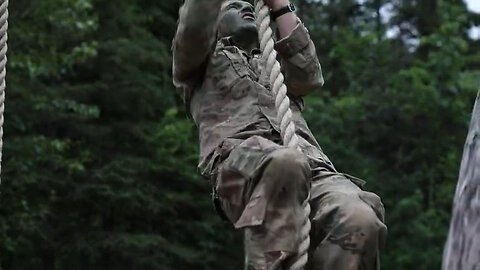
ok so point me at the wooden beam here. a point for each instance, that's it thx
(462, 250)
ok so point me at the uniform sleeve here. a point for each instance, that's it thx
(300, 64)
(194, 39)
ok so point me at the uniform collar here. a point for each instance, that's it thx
(227, 42)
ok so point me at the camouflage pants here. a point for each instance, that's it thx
(261, 186)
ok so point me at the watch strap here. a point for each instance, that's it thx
(284, 10)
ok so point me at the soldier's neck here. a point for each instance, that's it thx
(246, 42)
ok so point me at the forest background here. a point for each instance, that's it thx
(99, 168)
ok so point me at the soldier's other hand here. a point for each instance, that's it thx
(276, 4)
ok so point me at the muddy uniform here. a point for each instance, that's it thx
(261, 184)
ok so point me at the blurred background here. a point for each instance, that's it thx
(99, 168)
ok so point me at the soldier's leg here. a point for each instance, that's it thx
(262, 186)
(347, 225)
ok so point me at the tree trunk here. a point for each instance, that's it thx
(462, 250)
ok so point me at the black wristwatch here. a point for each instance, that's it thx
(284, 10)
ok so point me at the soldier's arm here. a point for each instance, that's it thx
(195, 36)
(300, 64)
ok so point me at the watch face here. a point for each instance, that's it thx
(291, 6)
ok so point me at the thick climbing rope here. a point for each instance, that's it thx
(3, 68)
(284, 115)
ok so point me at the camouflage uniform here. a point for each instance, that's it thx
(260, 185)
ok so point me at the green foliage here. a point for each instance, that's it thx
(398, 117)
(99, 167)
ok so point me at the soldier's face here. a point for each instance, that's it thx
(237, 18)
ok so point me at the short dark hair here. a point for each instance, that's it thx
(225, 3)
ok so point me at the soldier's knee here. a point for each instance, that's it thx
(364, 228)
(348, 230)
(375, 203)
(289, 161)
(288, 170)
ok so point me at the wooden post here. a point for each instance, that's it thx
(462, 250)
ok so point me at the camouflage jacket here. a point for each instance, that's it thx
(225, 93)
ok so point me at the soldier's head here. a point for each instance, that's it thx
(237, 19)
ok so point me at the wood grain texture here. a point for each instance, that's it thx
(462, 250)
